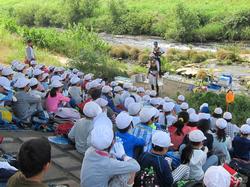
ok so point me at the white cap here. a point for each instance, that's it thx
(1, 67)
(106, 89)
(123, 120)
(44, 76)
(21, 82)
(245, 129)
(15, 63)
(79, 74)
(168, 107)
(147, 113)
(5, 83)
(33, 62)
(75, 70)
(191, 111)
(161, 139)
(64, 75)
(204, 116)
(221, 123)
(147, 92)
(56, 84)
(91, 109)
(126, 85)
(101, 102)
(203, 105)
(248, 121)
(37, 72)
(155, 101)
(157, 112)
(113, 84)
(128, 101)
(218, 110)
(134, 108)
(217, 176)
(167, 99)
(153, 93)
(184, 106)
(88, 77)
(227, 116)
(146, 98)
(193, 118)
(7, 71)
(33, 82)
(51, 67)
(196, 136)
(92, 84)
(57, 69)
(118, 89)
(133, 89)
(181, 98)
(56, 77)
(75, 80)
(20, 67)
(101, 138)
(140, 90)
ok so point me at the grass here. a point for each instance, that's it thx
(12, 48)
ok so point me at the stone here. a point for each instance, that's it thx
(76, 173)
(76, 154)
(67, 163)
(55, 152)
(10, 147)
(24, 139)
(71, 183)
(54, 173)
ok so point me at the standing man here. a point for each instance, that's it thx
(157, 52)
(30, 54)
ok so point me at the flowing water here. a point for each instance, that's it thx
(144, 42)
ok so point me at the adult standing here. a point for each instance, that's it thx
(153, 74)
(157, 52)
(30, 54)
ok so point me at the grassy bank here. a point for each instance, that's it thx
(178, 20)
(12, 47)
(85, 49)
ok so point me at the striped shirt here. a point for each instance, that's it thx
(231, 130)
(145, 132)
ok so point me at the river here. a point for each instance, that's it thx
(143, 42)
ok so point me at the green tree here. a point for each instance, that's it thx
(80, 9)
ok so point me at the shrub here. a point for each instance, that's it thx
(134, 53)
(186, 21)
(223, 54)
(119, 51)
(235, 23)
(143, 58)
(26, 14)
(245, 34)
(210, 32)
(80, 9)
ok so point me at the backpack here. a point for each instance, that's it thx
(146, 178)
(68, 113)
(63, 129)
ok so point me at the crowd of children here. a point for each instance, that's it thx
(123, 132)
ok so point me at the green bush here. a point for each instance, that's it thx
(26, 14)
(210, 32)
(235, 23)
(241, 109)
(80, 9)
(245, 34)
(184, 25)
(50, 16)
